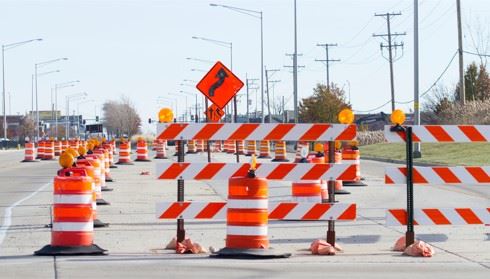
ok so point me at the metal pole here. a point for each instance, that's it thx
(410, 234)
(180, 194)
(235, 108)
(262, 64)
(462, 93)
(331, 194)
(56, 111)
(295, 68)
(37, 102)
(3, 93)
(391, 64)
(67, 121)
(207, 142)
(248, 115)
(416, 104)
(327, 68)
(32, 94)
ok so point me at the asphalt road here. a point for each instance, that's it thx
(135, 239)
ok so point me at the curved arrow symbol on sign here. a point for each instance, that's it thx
(221, 75)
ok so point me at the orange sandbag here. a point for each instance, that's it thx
(187, 246)
(321, 247)
(419, 249)
(400, 244)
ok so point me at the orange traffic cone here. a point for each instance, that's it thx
(29, 153)
(264, 150)
(247, 219)
(73, 227)
(142, 151)
(352, 155)
(280, 152)
(251, 148)
(124, 154)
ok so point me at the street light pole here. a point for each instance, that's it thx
(259, 15)
(36, 67)
(56, 87)
(4, 48)
(295, 69)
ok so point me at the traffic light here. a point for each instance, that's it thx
(97, 118)
(149, 120)
(84, 122)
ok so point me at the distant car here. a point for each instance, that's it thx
(4, 139)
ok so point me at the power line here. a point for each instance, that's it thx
(391, 45)
(421, 95)
(472, 53)
(327, 60)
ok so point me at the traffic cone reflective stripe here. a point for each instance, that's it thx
(241, 147)
(191, 147)
(91, 172)
(29, 152)
(280, 152)
(124, 154)
(161, 152)
(353, 156)
(264, 150)
(251, 148)
(57, 148)
(142, 151)
(72, 229)
(48, 150)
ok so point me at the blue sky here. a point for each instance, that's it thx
(138, 48)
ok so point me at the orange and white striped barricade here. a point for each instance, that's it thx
(57, 148)
(280, 154)
(305, 211)
(191, 147)
(439, 175)
(73, 228)
(256, 131)
(270, 171)
(87, 166)
(99, 177)
(241, 147)
(40, 149)
(440, 216)
(251, 148)
(48, 150)
(353, 155)
(142, 152)
(29, 153)
(264, 149)
(160, 149)
(124, 154)
(436, 175)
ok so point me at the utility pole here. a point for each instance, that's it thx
(295, 73)
(248, 82)
(327, 61)
(295, 68)
(267, 89)
(391, 45)
(462, 96)
(417, 153)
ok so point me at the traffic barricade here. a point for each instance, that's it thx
(29, 153)
(436, 175)
(124, 154)
(142, 151)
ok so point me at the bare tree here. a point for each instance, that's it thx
(121, 118)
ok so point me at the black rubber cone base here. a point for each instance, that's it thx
(264, 157)
(113, 167)
(191, 152)
(160, 158)
(100, 224)
(142, 160)
(279, 160)
(106, 189)
(49, 159)
(49, 250)
(102, 202)
(248, 155)
(124, 163)
(30, 161)
(342, 192)
(354, 184)
(109, 179)
(231, 253)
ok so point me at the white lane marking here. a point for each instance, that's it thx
(7, 219)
